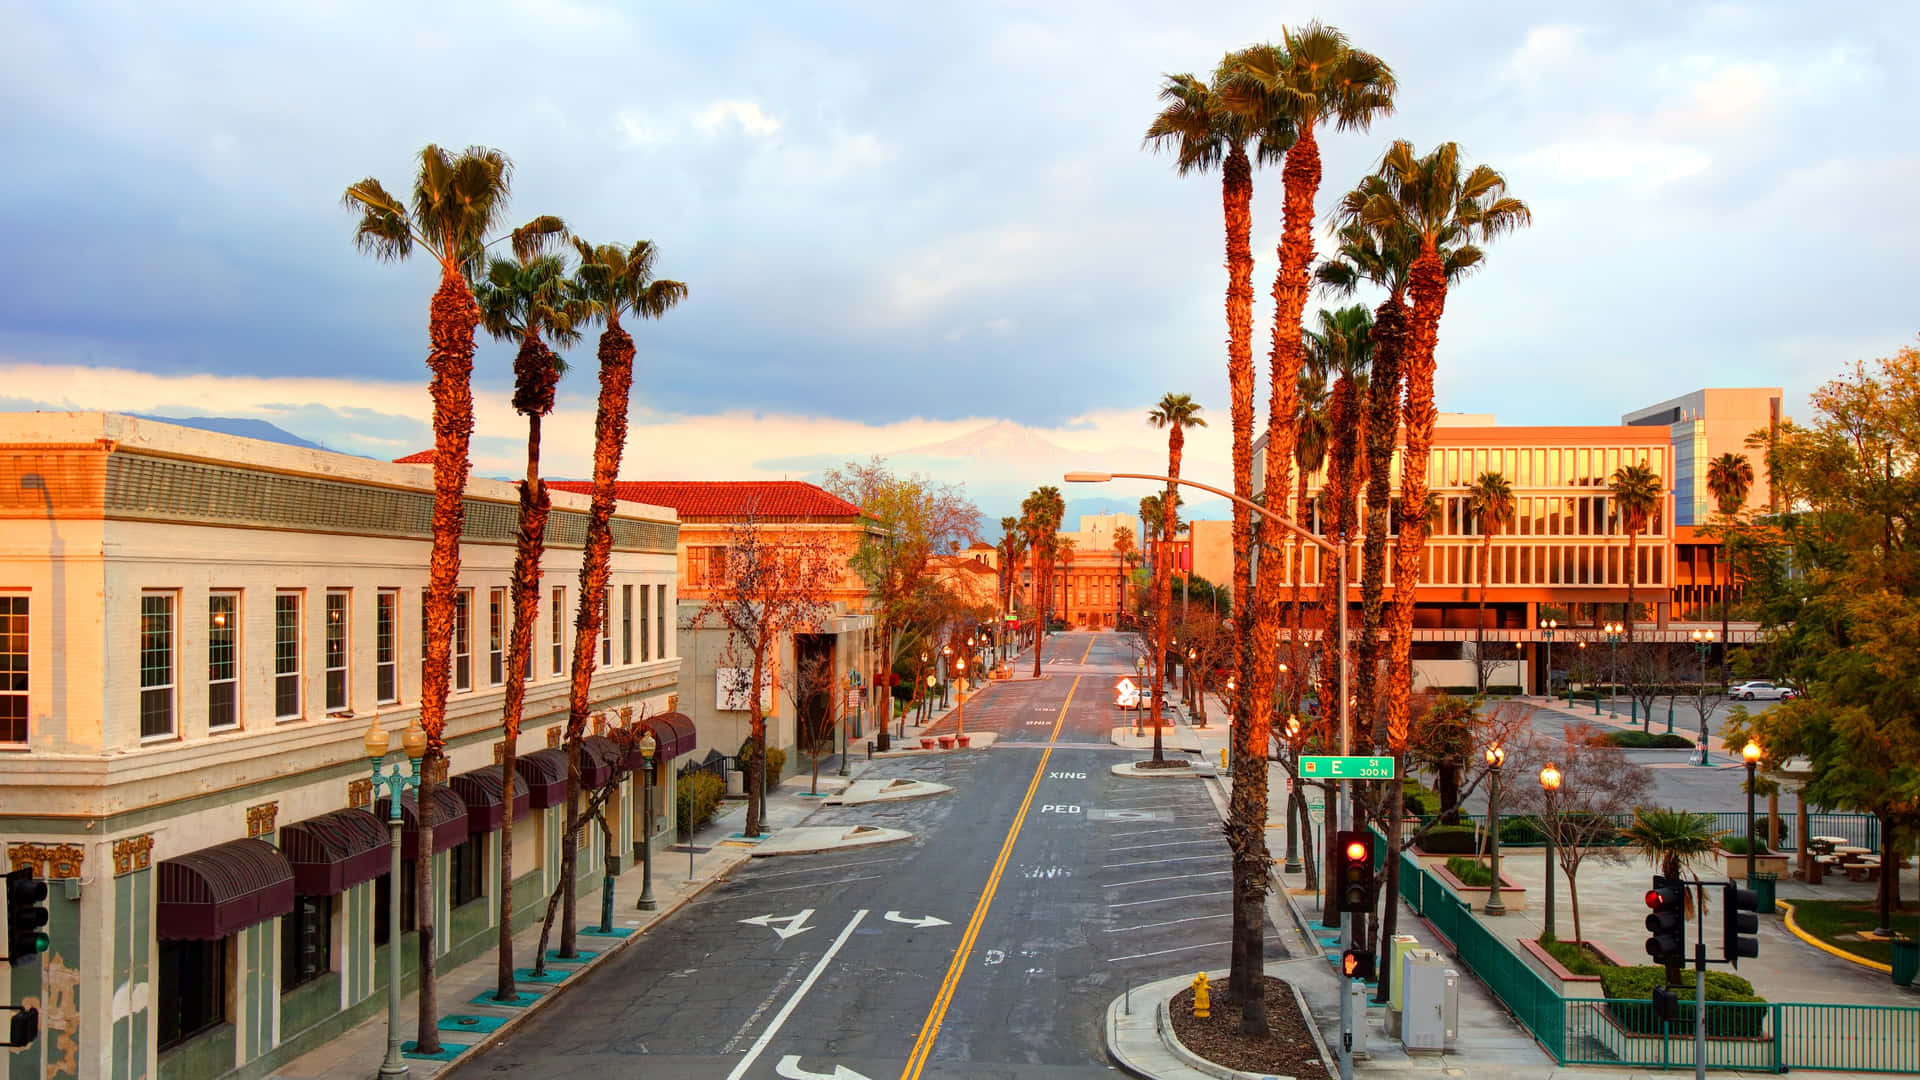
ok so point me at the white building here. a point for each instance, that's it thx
(195, 631)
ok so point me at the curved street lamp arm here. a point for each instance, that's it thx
(1283, 522)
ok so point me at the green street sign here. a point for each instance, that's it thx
(1346, 768)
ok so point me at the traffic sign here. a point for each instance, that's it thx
(1346, 768)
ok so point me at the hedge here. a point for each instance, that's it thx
(1522, 830)
(697, 796)
(1449, 840)
(1471, 691)
(776, 761)
(1738, 844)
(1469, 871)
(1419, 799)
(1643, 740)
(1637, 984)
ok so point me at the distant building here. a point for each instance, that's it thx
(1702, 426)
(1089, 579)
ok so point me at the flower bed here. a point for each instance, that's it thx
(1570, 983)
(1475, 896)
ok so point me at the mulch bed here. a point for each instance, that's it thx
(1287, 1049)
(1167, 763)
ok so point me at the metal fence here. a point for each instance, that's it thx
(1858, 830)
(1752, 1036)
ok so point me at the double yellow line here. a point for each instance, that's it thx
(930, 1030)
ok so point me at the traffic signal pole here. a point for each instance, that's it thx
(1700, 981)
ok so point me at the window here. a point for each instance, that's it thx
(463, 639)
(156, 665)
(407, 902)
(192, 992)
(223, 667)
(660, 623)
(644, 654)
(286, 656)
(336, 652)
(13, 669)
(496, 634)
(606, 628)
(386, 668)
(626, 623)
(306, 941)
(467, 863)
(559, 628)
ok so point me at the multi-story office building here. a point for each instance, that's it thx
(198, 629)
(1702, 426)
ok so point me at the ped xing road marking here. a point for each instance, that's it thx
(806, 984)
(795, 924)
(930, 1029)
(789, 1067)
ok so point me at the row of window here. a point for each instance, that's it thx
(1512, 564)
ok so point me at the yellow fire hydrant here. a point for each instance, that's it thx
(1223, 757)
(1201, 996)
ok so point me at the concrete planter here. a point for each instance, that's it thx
(1475, 896)
(1569, 984)
(1736, 865)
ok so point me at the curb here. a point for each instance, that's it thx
(1793, 928)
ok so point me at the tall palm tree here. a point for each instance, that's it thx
(1123, 547)
(525, 299)
(1432, 202)
(458, 200)
(1344, 343)
(612, 280)
(1310, 443)
(1011, 549)
(1729, 477)
(1042, 511)
(1175, 413)
(1636, 496)
(1491, 500)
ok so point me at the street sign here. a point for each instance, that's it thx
(1346, 768)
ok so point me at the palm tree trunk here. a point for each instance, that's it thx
(1383, 426)
(1429, 299)
(1633, 572)
(1039, 605)
(531, 545)
(609, 438)
(1480, 619)
(1295, 582)
(1343, 488)
(1389, 906)
(1163, 581)
(1726, 598)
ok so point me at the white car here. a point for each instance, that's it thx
(1759, 689)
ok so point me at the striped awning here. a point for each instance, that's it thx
(449, 820)
(599, 756)
(672, 731)
(480, 790)
(544, 772)
(214, 892)
(334, 852)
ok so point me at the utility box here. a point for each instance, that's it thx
(1397, 948)
(1357, 1001)
(1430, 1018)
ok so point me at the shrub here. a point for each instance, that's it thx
(696, 797)
(1469, 871)
(1573, 957)
(1738, 844)
(776, 761)
(1739, 1017)
(1522, 830)
(1644, 740)
(1449, 840)
(1419, 799)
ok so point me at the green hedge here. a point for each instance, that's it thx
(1468, 691)
(1522, 830)
(1738, 844)
(1469, 871)
(697, 796)
(776, 761)
(1418, 799)
(1642, 740)
(1449, 840)
(1740, 1018)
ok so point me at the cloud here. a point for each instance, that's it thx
(745, 115)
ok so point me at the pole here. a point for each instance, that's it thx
(394, 1065)
(646, 845)
(1494, 905)
(1549, 831)
(1700, 984)
(1750, 766)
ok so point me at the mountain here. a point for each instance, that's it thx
(234, 425)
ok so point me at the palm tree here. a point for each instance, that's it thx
(1674, 840)
(1124, 548)
(1491, 500)
(1310, 442)
(1344, 347)
(1729, 477)
(1010, 551)
(1042, 512)
(612, 280)
(1636, 495)
(1176, 413)
(525, 299)
(458, 199)
(1426, 200)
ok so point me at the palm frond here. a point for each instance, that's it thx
(383, 230)
(538, 237)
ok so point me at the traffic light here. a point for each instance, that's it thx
(26, 914)
(1357, 964)
(1668, 925)
(1354, 870)
(1740, 923)
(1666, 1003)
(23, 1028)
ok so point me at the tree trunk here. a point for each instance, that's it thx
(1163, 579)
(1039, 605)
(1726, 598)
(1573, 904)
(1389, 905)
(757, 731)
(531, 543)
(1889, 876)
(1480, 620)
(1383, 427)
(609, 438)
(1633, 574)
(1447, 781)
(454, 316)
(1429, 300)
(1345, 420)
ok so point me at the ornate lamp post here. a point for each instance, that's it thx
(946, 665)
(1547, 627)
(648, 744)
(919, 703)
(1496, 757)
(1293, 834)
(1193, 688)
(397, 783)
(1233, 694)
(1751, 754)
(1702, 644)
(1582, 646)
(1613, 631)
(1550, 783)
(932, 681)
(1140, 673)
(960, 699)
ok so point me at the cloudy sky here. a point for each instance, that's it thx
(925, 231)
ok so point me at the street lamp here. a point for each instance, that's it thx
(1751, 754)
(960, 699)
(1550, 783)
(1614, 631)
(1192, 655)
(397, 783)
(919, 701)
(648, 744)
(1496, 757)
(1547, 627)
(1581, 644)
(1140, 671)
(1293, 837)
(1702, 644)
(946, 665)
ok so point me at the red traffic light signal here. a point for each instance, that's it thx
(1667, 925)
(1353, 872)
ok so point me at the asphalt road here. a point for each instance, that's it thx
(1056, 883)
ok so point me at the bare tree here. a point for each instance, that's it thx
(819, 707)
(624, 730)
(1489, 660)
(1597, 784)
(1646, 667)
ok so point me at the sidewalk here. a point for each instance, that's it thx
(716, 851)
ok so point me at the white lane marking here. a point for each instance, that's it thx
(1168, 877)
(1170, 899)
(1163, 952)
(1169, 843)
(1155, 832)
(1170, 922)
(1158, 862)
(921, 921)
(806, 984)
(789, 1067)
(795, 924)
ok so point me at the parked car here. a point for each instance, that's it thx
(1139, 698)
(1760, 690)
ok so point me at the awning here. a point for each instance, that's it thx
(449, 820)
(334, 852)
(216, 891)
(480, 790)
(674, 733)
(598, 757)
(544, 772)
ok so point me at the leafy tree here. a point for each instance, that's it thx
(1636, 497)
(458, 200)
(1175, 413)
(1491, 500)
(625, 736)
